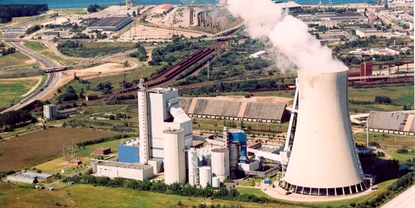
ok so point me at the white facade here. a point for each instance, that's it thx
(205, 175)
(324, 158)
(253, 165)
(220, 163)
(215, 182)
(124, 170)
(49, 111)
(193, 164)
(174, 163)
(158, 110)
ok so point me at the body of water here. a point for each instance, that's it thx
(60, 4)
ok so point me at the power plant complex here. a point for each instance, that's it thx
(318, 161)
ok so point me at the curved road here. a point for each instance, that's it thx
(42, 59)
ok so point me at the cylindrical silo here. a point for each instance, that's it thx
(215, 182)
(233, 158)
(324, 160)
(94, 164)
(174, 156)
(205, 176)
(220, 163)
(193, 165)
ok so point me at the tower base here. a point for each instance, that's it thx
(339, 191)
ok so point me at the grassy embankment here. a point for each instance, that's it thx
(12, 90)
(35, 148)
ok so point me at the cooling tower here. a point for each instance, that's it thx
(323, 160)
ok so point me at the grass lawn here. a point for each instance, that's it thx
(12, 89)
(12, 196)
(85, 196)
(386, 140)
(57, 58)
(401, 157)
(381, 188)
(56, 165)
(35, 46)
(35, 148)
(13, 61)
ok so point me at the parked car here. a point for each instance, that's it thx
(71, 182)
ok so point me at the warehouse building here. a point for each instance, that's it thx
(102, 151)
(111, 23)
(13, 29)
(164, 8)
(19, 180)
(34, 175)
(123, 170)
(235, 110)
(391, 122)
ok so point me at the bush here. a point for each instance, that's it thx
(402, 151)
(383, 99)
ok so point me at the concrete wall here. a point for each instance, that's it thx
(136, 174)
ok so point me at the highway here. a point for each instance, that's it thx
(51, 81)
(405, 199)
(42, 59)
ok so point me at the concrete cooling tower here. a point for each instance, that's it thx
(324, 160)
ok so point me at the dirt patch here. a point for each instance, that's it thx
(34, 87)
(35, 148)
(89, 73)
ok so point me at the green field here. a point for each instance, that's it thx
(35, 46)
(14, 61)
(57, 58)
(401, 157)
(111, 144)
(12, 90)
(85, 196)
(386, 140)
(56, 165)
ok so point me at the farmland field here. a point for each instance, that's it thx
(12, 89)
(38, 147)
(14, 61)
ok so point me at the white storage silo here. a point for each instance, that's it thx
(193, 163)
(220, 163)
(215, 182)
(205, 176)
(324, 160)
(174, 156)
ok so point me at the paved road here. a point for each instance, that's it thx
(404, 200)
(42, 59)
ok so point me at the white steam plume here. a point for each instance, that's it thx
(289, 35)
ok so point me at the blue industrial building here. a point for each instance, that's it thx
(240, 137)
(128, 153)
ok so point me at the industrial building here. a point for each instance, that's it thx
(174, 160)
(391, 122)
(162, 9)
(34, 175)
(235, 110)
(258, 54)
(323, 162)
(102, 151)
(18, 179)
(159, 110)
(124, 170)
(49, 111)
(129, 152)
(13, 29)
(111, 23)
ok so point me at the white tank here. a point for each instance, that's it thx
(324, 160)
(94, 164)
(193, 163)
(220, 163)
(233, 158)
(205, 176)
(215, 182)
(174, 156)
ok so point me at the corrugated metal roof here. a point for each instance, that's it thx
(395, 121)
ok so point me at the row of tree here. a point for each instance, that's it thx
(8, 11)
(101, 140)
(12, 119)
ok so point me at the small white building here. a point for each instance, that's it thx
(49, 111)
(258, 54)
(123, 170)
